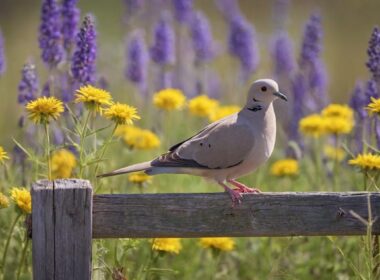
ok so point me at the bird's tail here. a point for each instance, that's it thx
(132, 168)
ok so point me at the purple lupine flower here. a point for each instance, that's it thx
(83, 65)
(2, 55)
(132, 6)
(299, 88)
(137, 54)
(358, 101)
(183, 10)
(202, 38)
(229, 8)
(50, 36)
(163, 49)
(283, 54)
(46, 89)
(242, 44)
(371, 91)
(318, 84)
(373, 52)
(377, 132)
(70, 20)
(311, 43)
(28, 85)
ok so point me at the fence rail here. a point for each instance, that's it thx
(66, 217)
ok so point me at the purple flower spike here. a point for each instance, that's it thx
(358, 101)
(229, 8)
(138, 57)
(28, 86)
(83, 65)
(163, 49)
(2, 55)
(373, 52)
(371, 91)
(202, 38)
(311, 44)
(70, 20)
(242, 44)
(133, 6)
(50, 37)
(283, 54)
(299, 89)
(183, 10)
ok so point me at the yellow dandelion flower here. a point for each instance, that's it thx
(366, 161)
(139, 178)
(202, 105)
(285, 167)
(338, 125)
(338, 110)
(22, 198)
(334, 153)
(169, 99)
(313, 125)
(121, 113)
(93, 98)
(137, 138)
(43, 109)
(62, 164)
(374, 106)
(4, 201)
(223, 111)
(170, 245)
(219, 243)
(3, 155)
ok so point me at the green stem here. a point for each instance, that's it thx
(104, 147)
(8, 242)
(336, 162)
(81, 144)
(48, 150)
(22, 258)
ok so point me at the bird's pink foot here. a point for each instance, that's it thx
(235, 195)
(243, 188)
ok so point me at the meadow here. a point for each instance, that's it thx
(87, 89)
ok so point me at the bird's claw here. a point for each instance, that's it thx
(236, 197)
(247, 190)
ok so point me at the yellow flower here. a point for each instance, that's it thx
(93, 98)
(121, 113)
(202, 105)
(3, 155)
(139, 178)
(169, 99)
(334, 153)
(4, 201)
(366, 161)
(374, 106)
(220, 243)
(170, 245)
(62, 164)
(137, 138)
(285, 167)
(338, 125)
(313, 125)
(22, 198)
(223, 111)
(44, 108)
(338, 111)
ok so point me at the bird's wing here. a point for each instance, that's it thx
(223, 145)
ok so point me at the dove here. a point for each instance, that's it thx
(226, 149)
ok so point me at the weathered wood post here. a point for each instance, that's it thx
(62, 229)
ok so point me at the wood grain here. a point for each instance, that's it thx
(62, 224)
(211, 214)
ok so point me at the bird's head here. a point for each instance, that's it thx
(263, 92)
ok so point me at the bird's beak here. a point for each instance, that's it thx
(281, 95)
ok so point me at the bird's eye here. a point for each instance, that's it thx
(263, 88)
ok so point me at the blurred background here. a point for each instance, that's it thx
(347, 26)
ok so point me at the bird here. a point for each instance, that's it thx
(226, 149)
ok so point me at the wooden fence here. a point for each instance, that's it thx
(66, 216)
